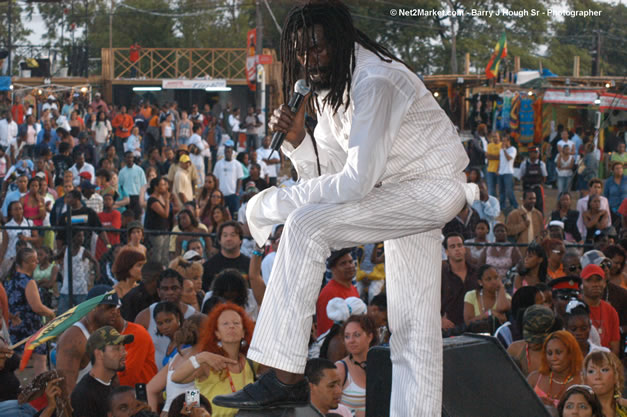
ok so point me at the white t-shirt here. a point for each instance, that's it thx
(234, 123)
(241, 214)
(228, 172)
(564, 172)
(266, 266)
(570, 143)
(507, 166)
(271, 169)
(4, 132)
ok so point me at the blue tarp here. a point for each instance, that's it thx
(5, 83)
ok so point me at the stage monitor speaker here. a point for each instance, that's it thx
(480, 380)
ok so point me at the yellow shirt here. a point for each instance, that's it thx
(219, 384)
(493, 164)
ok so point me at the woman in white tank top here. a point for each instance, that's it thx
(187, 335)
(360, 334)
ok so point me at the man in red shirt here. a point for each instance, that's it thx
(140, 353)
(109, 218)
(602, 315)
(123, 124)
(18, 111)
(343, 270)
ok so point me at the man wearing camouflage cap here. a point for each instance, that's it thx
(107, 354)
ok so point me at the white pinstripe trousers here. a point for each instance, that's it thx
(407, 216)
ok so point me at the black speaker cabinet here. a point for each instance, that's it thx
(480, 380)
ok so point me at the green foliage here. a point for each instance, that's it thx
(425, 42)
(18, 31)
(578, 36)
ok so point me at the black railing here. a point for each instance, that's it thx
(70, 229)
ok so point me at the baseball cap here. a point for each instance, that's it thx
(594, 257)
(229, 144)
(532, 149)
(111, 299)
(184, 158)
(537, 323)
(106, 336)
(41, 175)
(51, 97)
(85, 175)
(592, 269)
(192, 255)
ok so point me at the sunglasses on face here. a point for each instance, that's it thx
(606, 264)
(573, 268)
(565, 297)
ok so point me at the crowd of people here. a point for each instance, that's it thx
(159, 197)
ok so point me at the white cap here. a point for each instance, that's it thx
(51, 97)
(190, 255)
(557, 223)
(340, 309)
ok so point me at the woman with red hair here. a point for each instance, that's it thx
(221, 366)
(559, 369)
(127, 269)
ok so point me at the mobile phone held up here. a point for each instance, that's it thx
(140, 392)
(192, 398)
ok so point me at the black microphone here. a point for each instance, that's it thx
(301, 89)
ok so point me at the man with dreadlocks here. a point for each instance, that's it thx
(383, 164)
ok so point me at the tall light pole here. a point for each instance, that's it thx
(259, 49)
(9, 73)
(111, 29)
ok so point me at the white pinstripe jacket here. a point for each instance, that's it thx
(392, 131)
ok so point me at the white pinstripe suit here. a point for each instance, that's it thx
(394, 135)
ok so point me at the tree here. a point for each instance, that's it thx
(579, 36)
(221, 24)
(18, 31)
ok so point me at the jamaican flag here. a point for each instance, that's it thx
(58, 325)
(500, 52)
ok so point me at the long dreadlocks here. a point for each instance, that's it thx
(341, 35)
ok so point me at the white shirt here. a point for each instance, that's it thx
(132, 144)
(484, 146)
(87, 167)
(102, 131)
(228, 172)
(563, 172)
(266, 266)
(4, 132)
(48, 106)
(582, 205)
(271, 169)
(570, 143)
(234, 123)
(13, 130)
(63, 122)
(507, 166)
(392, 131)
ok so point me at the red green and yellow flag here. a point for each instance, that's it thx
(500, 52)
(57, 326)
